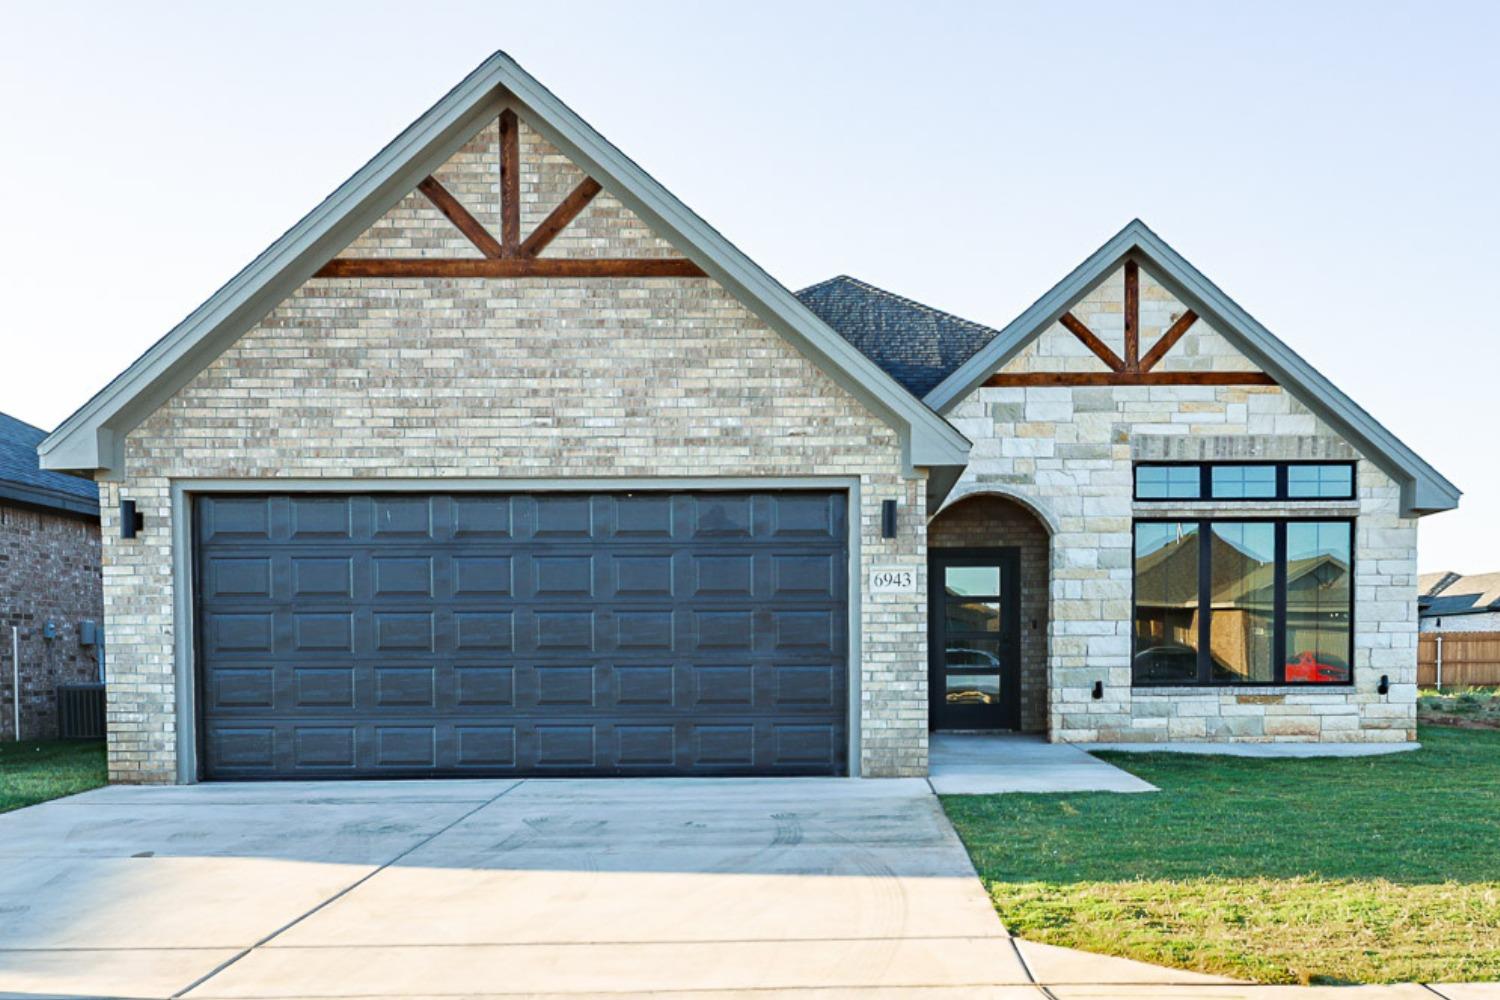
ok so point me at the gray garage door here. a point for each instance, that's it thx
(556, 634)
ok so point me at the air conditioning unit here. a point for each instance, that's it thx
(80, 711)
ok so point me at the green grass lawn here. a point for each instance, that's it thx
(35, 772)
(1375, 869)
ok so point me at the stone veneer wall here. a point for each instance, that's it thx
(1068, 452)
(447, 380)
(49, 571)
(988, 521)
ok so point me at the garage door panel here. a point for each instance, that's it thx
(321, 518)
(484, 747)
(645, 686)
(643, 632)
(242, 749)
(325, 577)
(605, 634)
(481, 517)
(483, 688)
(235, 519)
(401, 517)
(649, 517)
(318, 688)
(722, 517)
(804, 516)
(483, 631)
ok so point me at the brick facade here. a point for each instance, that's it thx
(988, 521)
(1068, 453)
(450, 380)
(49, 571)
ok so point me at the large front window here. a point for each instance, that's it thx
(1239, 601)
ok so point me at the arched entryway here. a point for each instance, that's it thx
(989, 559)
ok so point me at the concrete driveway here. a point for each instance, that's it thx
(488, 887)
(772, 889)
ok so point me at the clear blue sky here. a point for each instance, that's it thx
(1333, 166)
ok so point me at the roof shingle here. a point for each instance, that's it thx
(1463, 595)
(22, 478)
(915, 344)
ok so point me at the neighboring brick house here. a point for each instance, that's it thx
(502, 461)
(50, 582)
(1455, 602)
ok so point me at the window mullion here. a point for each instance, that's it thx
(1278, 642)
(1205, 586)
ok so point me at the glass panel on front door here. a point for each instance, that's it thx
(974, 640)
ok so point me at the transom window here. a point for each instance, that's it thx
(1320, 481)
(1168, 482)
(1244, 481)
(1243, 602)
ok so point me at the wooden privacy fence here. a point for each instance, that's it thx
(1469, 659)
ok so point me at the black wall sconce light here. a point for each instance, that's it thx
(1098, 690)
(1385, 684)
(131, 521)
(887, 519)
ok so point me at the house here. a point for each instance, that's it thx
(1452, 602)
(51, 590)
(502, 461)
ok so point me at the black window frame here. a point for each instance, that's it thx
(1205, 678)
(1205, 481)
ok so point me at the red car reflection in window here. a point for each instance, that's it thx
(1306, 669)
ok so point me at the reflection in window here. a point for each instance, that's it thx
(1242, 619)
(1318, 596)
(1243, 482)
(972, 616)
(1166, 602)
(1320, 481)
(1168, 482)
(972, 654)
(973, 689)
(972, 581)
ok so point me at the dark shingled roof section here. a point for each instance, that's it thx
(22, 478)
(917, 345)
(1470, 594)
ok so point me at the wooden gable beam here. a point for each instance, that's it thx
(1131, 369)
(1132, 316)
(508, 257)
(509, 267)
(576, 201)
(471, 227)
(1091, 341)
(510, 182)
(1168, 340)
(1025, 380)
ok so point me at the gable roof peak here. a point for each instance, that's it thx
(92, 438)
(1424, 489)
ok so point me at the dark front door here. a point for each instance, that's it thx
(975, 646)
(417, 635)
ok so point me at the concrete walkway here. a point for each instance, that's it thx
(996, 763)
(1264, 751)
(760, 889)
